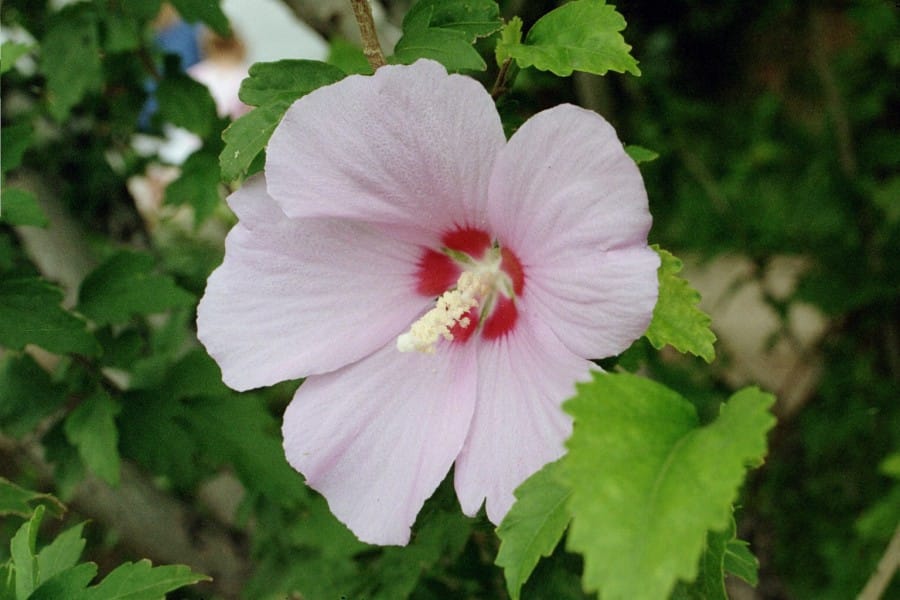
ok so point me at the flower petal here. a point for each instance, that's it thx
(597, 303)
(409, 145)
(518, 425)
(572, 205)
(377, 437)
(295, 297)
(564, 178)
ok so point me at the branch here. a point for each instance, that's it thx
(371, 48)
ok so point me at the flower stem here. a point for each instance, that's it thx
(371, 48)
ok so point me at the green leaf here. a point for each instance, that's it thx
(70, 59)
(142, 581)
(676, 319)
(644, 473)
(473, 18)
(448, 47)
(10, 52)
(198, 185)
(19, 207)
(122, 33)
(15, 500)
(348, 57)
(92, 429)
(125, 285)
(14, 140)
(61, 554)
(187, 103)
(639, 154)
(740, 562)
(30, 314)
(286, 80)
(29, 395)
(578, 36)
(22, 553)
(69, 584)
(272, 87)
(533, 526)
(207, 11)
(710, 581)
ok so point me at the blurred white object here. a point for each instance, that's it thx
(272, 32)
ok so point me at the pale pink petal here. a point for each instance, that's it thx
(572, 205)
(596, 302)
(564, 181)
(299, 297)
(409, 145)
(377, 437)
(518, 425)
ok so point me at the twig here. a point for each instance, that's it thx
(500, 86)
(371, 48)
(886, 569)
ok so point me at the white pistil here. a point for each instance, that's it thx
(449, 310)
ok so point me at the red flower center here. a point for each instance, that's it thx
(472, 250)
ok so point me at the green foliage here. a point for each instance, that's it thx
(29, 395)
(125, 285)
(207, 11)
(30, 314)
(578, 36)
(187, 103)
(639, 154)
(14, 139)
(643, 472)
(445, 32)
(10, 52)
(70, 58)
(533, 526)
(19, 207)
(198, 185)
(15, 500)
(54, 571)
(676, 319)
(724, 553)
(272, 88)
(92, 429)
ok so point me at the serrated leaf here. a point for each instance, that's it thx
(29, 395)
(69, 584)
(676, 319)
(91, 428)
(644, 473)
(19, 207)
(61, 554)
(578, 36)
(740, 562)
(14, 140)
(710, 581)
(533, 526)
(142, 581)
(639, 154)
(473, 18)
(207, 11)
(198, 185)
(30, 314)
(70, 59)
(272, 87)
(125, 285)
(10, 52)
(286, 80)
(15, 500)
(22, 553)
(185, 102)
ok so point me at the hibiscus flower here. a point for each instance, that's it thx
(440, 288)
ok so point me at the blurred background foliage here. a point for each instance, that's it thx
(776, 125)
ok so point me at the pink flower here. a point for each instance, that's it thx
(440, 288)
